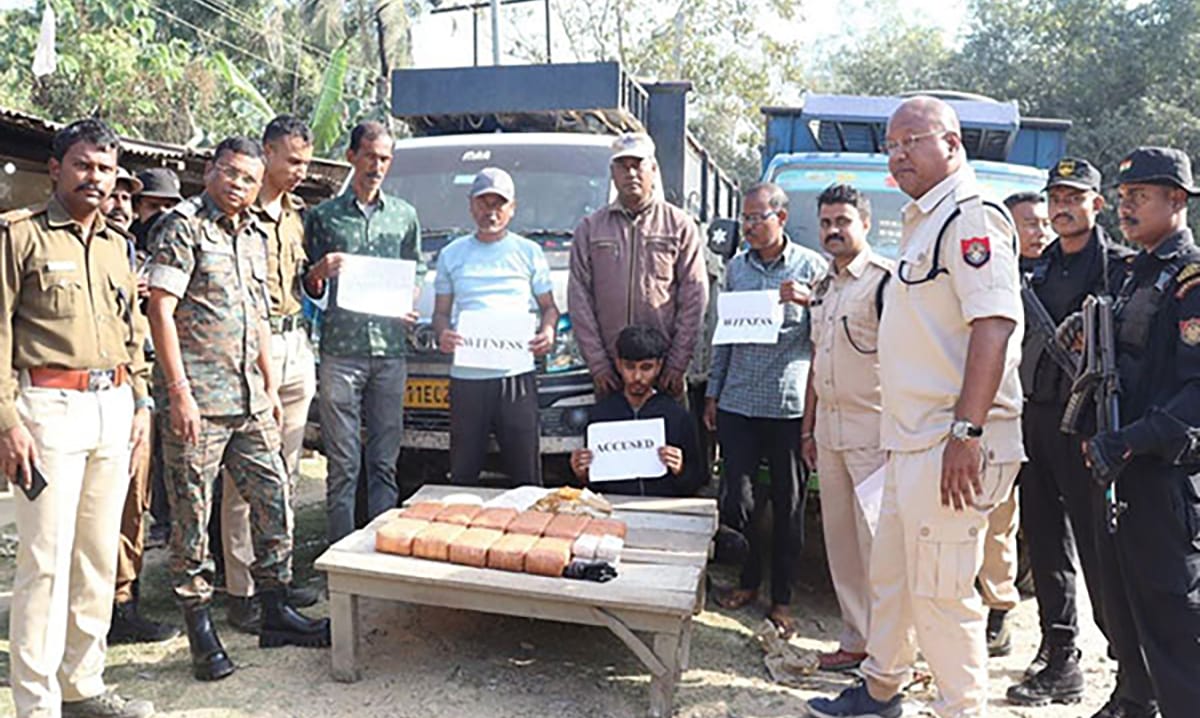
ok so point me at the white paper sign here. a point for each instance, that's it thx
(495, 340)
(626, 449)
(870, 497)
(748, 317)
(374, 285)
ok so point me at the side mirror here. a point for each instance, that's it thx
(723, 236)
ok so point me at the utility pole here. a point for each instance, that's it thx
(495, 32)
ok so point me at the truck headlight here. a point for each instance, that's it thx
(565, 355)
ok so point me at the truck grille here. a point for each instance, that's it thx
(427, 420)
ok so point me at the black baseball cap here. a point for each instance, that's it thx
(1158, 165)
(1074, 172)
(160, 182)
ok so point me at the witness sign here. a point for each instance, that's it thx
(748, 318)
(495, 340)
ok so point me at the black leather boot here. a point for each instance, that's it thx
(1060, 681)
(282, 625)
(209, 660)
(127, 626)
(302, 596)
(244, 613)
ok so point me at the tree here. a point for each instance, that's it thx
(722, 46)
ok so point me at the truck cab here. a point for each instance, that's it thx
(551, 127)
(839, 138)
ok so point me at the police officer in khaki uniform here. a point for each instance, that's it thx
(208, 310)
(840, 434)
(72, 404)
(949, 346)
(287, 150)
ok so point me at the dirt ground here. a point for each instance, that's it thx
(427, 661)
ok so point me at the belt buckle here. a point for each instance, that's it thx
(100, 379)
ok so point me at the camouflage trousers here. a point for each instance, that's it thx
(250, 449)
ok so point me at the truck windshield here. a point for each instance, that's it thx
(557, 185)
(804, 183)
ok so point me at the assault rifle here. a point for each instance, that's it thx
(1098, 381)
(1039, 321)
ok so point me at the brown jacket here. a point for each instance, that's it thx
(645, 269)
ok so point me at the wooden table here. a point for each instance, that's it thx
(649, 606)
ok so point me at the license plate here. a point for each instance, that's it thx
(427, 394)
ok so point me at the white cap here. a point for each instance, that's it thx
(633, 144)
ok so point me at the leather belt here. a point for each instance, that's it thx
(283, 325)
(78, 379)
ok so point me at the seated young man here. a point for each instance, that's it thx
(640, 354)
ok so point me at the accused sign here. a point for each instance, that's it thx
(626, 449)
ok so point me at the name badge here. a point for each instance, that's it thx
(61, 266)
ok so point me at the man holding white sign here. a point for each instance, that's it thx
(492, 286)
(619, 422)
(363, 369)
(756, 400)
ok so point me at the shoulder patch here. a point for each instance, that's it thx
(1189, 331)
(976, 251)
(1185, 287)
(1188, 271)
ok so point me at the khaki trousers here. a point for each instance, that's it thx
(66, 562)
(923, 566)
(295, 370)
(998, 577)
(131, 546)
(847, 536)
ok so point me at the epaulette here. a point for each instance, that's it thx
(188, 207)
(297, 202)
(119, 231)
(14, 216)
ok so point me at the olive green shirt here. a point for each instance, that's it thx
(392, 232)
(67, 300)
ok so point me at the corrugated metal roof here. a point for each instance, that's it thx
(330, 173)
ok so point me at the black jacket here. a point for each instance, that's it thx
(680, 431)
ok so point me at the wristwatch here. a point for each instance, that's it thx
(146, 402)
(961, 430)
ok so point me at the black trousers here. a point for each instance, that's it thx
(1058, 522)
(1152, 597)
(745, 443)
(508, 407)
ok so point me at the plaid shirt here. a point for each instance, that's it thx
(392, 232)
(766, 381)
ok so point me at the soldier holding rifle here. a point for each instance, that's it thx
(1145, 447)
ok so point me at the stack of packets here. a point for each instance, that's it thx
(566, 539)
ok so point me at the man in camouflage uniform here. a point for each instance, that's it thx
(362, 355)
(208, 309)
(287, 149)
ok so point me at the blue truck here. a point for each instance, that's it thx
(839, 138)
(551, 127)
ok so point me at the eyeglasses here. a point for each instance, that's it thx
(906, 145)
(749, 219)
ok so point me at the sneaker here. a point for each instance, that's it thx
(999, 640)
(1039, 662)
(841, 660)
(1060, 681)
(855, 702)
(107, 705)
